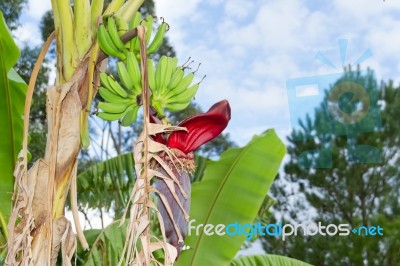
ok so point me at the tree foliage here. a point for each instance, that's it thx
(11, 10)
(361, 186)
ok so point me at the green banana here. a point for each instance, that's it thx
(151, 75)
(185, 96)
(134, 72)
(174, 62)
(104, 80)
(111, 97)
(175, 107)
(112, 116)
(113, 31)
(176, 78)
(113, 108)
(116, 87)
(136, 43)
(135, 20)
(148, 24)
(107, 45)
(182, 86)
(170, 87)
(124, 76)
(170, 68)
(158, 73)
(133, 24)
(130, 117)
(158, 38)
(162, 71)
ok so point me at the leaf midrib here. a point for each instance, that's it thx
(244, 150)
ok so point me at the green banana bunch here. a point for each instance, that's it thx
(148, 22)
(171, 88)
(110, 31)
(121, 99)
(109, 38)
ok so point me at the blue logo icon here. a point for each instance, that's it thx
(349, 108)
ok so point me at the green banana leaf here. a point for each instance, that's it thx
(106, 245)
(232, 190)
(201, 163)
(107, 183)
(267, 260)
(12, 102)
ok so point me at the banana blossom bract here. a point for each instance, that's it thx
(201, 128)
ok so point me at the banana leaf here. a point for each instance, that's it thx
(232, 190)
(12, 102)
(107, 184)
(267, 260)
(201, 163)
(106, 245)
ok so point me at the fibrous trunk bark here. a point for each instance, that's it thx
(41, 193)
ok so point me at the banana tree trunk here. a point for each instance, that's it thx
(40, 201)
(37, 226)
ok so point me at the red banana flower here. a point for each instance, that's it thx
(201, 128)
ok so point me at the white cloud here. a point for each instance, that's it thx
(239, 9)
(384, 38)
(278, 67)
(275, 27)
(176, 10)
(215, 2)
(360, 11)
(27, 34)
(37, 8)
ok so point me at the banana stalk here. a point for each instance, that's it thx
(129, 9)
(96, 9)
(66, 48)
(114, 6)
(82, 25)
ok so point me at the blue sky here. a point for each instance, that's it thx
(249, 49)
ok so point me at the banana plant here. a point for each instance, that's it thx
(12, 94)
(38, 229)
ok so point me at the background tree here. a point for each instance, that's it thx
(355, 190)
(11, 11)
